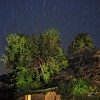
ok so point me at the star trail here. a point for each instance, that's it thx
(69, 17)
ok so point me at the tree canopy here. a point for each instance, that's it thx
(80, 43)
(33, 60)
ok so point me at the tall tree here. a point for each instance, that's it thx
(49, 57)
(18, 59)
(33, 61)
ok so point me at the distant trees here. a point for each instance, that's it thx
(33, 60)
(84, 59)
(86, 64)
(78, 50)
(80, 43)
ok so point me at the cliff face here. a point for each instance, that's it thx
(87, 65)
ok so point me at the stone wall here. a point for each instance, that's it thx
(48, 96)
(38, 96)
(52, 96)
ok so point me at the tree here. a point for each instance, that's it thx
(49, 57)
(18, 60)
(80, 43)
(33, 60)
(87, 64)
(84, 59)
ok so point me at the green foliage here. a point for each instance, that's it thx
(80, 87)
(18, 60)
(46, 73)
(81, 42)
(33, 61)
(19, 52)
(48, 54)
(53, 51)
(36, 80)
(24, 80)
(74, 87)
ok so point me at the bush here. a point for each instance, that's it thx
(80, 87)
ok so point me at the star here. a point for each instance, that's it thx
(43, 3)
(13, 16)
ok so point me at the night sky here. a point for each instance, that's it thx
(69, 17)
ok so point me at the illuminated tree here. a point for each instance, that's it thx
(18, 60)
(33, 60)
(80, 87)
(49, 57)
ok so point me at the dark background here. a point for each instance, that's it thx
(69, 17)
